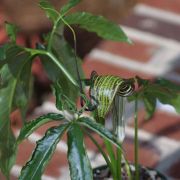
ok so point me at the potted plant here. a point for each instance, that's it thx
(106, 93)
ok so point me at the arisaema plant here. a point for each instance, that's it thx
(107, 94)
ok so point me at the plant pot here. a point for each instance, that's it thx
(103, 172)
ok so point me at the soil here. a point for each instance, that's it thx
(103, 173)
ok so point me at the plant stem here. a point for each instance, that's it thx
(53, 32)
(119, 165)
(35, 52)
(109, 163)
(118, 130)
(110, 151)
(136, 140)
(120, 134)
(68, 75)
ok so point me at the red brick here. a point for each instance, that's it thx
(162, 124)
(138, 51)
(148, 155)
(174, 170)
(11, 177)
(104, 69)
(57, 162)
(16, 119)
(25, 150)
(145, 151)
(177, 70)
(161, 28)
(168, 5)
(90, 145)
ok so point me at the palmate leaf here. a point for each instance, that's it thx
(172, 96)
(66, 55)
(150, 105)
(62, 101)
(15, 73)
(69, 5)
(163, 90)
(31, 126)
(49, 9)
(7, 149)
(42, 154)
(98, 24)
(52, 13)
(99, 129)
(79, 164)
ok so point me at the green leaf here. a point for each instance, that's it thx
(79, 164)
(168, 84)
(171, 93)
(176, 103)
(49, 9)
(7, 52)
(11, 30)
(31, 126)
(15, 75)
(98, 24)
(3, 49)
(58, 94)
(7, 148)
(68, 6)
(99, 129)
(62, 101)
(42, 153)
(163, 90)
(150, 105)
(17, 72)
(66, 55)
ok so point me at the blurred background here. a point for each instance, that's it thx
(154, 28)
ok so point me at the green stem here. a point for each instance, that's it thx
(109, 163)
(110, 151)
(119, 165)
(55, 60)
(128, 169)
(52, 32)
(136, 140)
(60, 18)
(120, 134)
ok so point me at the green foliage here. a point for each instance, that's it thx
(62, 51)
(68, 6)
(11, 30)
(78, 161)
(14, 93)
(31, 126)
(99, 129)
(63, 102)
(49, 9)
(64, 68)
(3, 49)
(98, 24)
(65, 55)
(163, 90)
(42, 154)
